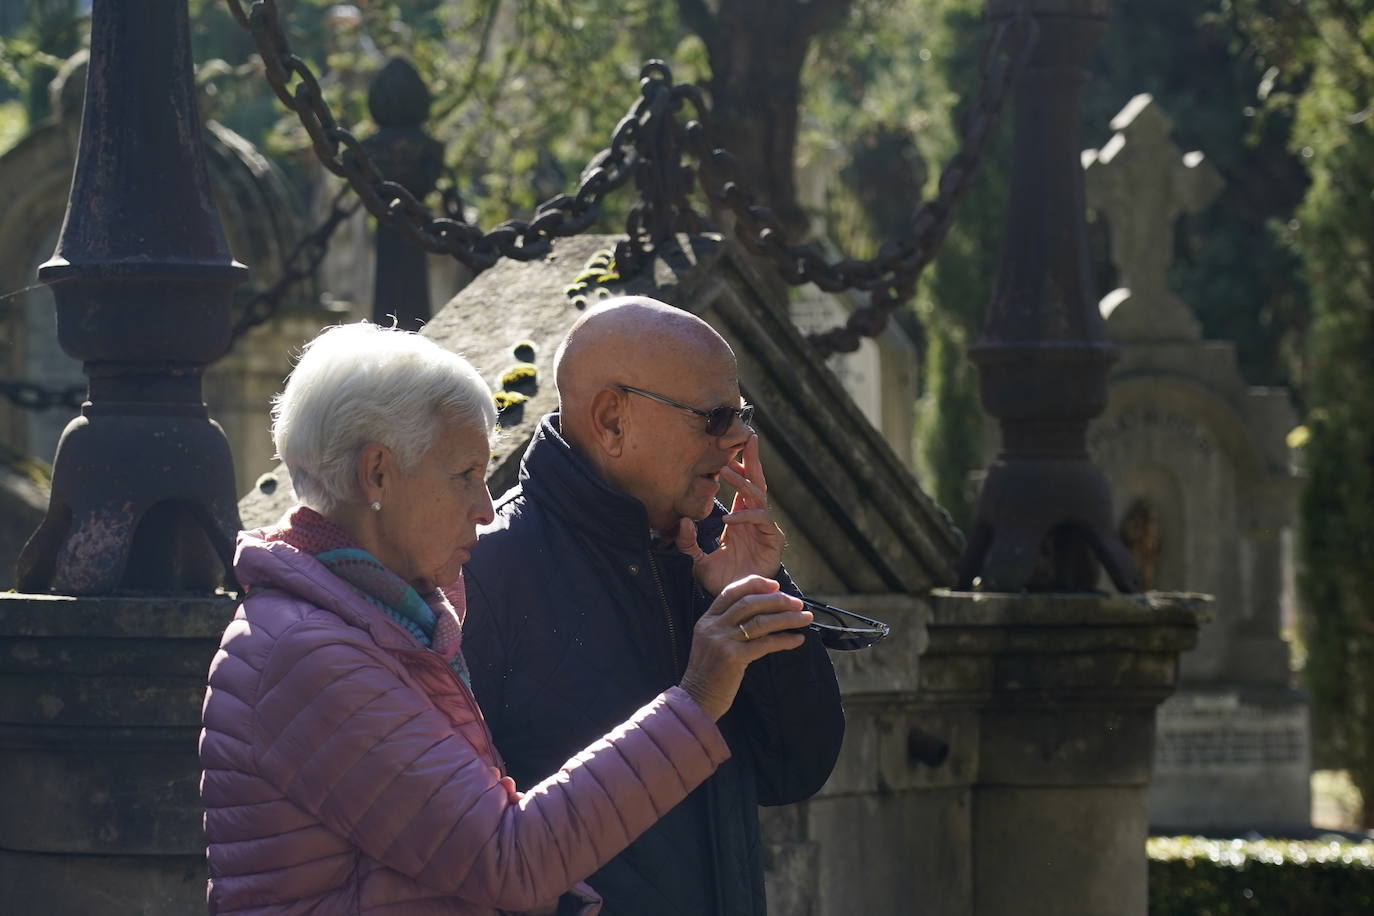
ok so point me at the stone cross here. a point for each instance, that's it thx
(1140, 182)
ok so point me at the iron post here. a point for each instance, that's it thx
(1043, 519)
(143, 484)
(399, 102)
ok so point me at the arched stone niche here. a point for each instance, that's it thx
(1187, 454)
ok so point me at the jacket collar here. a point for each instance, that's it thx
(554, 475)
(260, 563)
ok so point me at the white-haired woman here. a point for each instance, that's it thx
(347, 768)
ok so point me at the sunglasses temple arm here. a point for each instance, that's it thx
(839, 610)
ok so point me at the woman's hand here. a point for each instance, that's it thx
(740, 626)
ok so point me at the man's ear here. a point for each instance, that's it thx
(608, 421)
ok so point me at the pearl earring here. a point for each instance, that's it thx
(377, 507)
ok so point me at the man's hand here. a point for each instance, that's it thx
(752, 543)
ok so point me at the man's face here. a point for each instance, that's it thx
(670, 463)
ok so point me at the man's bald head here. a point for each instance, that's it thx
(632, 340)
(651, 443)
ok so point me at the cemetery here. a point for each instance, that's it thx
(1059, 374)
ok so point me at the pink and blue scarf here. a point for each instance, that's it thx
(433, 621)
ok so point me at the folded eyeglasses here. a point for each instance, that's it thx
(836, 628)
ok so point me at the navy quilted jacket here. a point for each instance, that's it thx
(575, 619)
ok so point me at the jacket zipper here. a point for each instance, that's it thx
(667, 613)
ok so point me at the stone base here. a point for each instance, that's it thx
(1060, 692)
(60, 885)
(99, 714)
(1229, 760)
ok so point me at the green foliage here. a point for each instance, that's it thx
(13, 123)
(526, 92)
(1321, 74)
(1193, 876)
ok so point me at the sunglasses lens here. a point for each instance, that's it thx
(720, 420)
(837, 633)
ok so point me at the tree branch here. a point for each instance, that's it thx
(697, 16)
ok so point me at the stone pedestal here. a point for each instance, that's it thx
(1051, 699)
(99, 717)
(996, 759)
(1232, 758)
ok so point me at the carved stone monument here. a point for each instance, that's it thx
(1205, 500)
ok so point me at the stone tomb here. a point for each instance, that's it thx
(1205, 496)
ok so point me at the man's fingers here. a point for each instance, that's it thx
(751, 490)
(748, 517)
(686, 540)
(732, 593)
(773, 642)
(763, 623)
(749, 608)
(753, 467)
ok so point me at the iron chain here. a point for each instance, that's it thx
(342, 153)
(648, 145)
(301, 265)
(33, 396)
(891, 277)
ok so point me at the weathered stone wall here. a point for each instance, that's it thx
(99, 714)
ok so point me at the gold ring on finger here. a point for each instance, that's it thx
(744, 632)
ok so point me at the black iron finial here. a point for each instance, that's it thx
(1043, 519)
(143, 483)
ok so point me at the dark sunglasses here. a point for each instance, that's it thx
(836, 628)
(719, 420)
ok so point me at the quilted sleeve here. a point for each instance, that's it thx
(349, 741)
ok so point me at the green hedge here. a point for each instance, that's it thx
(1194, 876)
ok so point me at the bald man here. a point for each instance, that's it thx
(583, 593)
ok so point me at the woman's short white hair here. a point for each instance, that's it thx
(360, 383)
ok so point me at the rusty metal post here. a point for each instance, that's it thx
(1044, 516)
(143, 484)
(399, 102)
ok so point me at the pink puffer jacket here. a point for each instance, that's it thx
(348, 770)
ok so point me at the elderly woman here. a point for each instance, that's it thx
(347, 768)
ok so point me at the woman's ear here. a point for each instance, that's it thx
(608, 421)
(372, 471)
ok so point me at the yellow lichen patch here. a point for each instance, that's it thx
(505, 399)
(519, 375)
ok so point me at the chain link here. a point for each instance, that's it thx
(891, 277)
(648, 145)
(341, 152)
(33, 396)
(302, 264)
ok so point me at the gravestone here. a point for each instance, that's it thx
(1205, 496)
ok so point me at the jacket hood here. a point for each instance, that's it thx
(262, 564)
(559, 478)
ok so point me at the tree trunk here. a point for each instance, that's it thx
(757, 49)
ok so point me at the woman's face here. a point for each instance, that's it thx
(429, 517)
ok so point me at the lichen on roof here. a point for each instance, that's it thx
(35, 470)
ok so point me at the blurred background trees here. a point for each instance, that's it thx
(842, 113)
